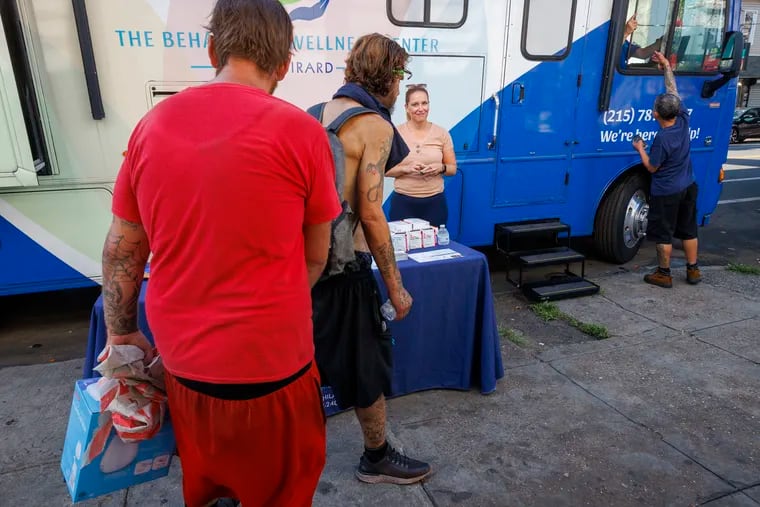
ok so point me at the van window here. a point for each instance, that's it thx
(698, 35)
(547, 37)
(689, 32)
(427, 13)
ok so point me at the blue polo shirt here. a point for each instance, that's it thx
(627, 51)
(670, 153)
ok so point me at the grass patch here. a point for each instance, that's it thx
(596, 330)
(743, 269)
(549, 311)
(546, 311)
(513, 336)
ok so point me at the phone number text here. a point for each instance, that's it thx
(628, 116)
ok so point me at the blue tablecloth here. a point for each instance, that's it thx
(449, 340)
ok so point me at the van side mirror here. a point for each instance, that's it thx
(731, 58)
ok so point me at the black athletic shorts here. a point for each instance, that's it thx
(673, 215)
(353, 344)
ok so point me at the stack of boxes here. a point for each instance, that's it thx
(411, 234)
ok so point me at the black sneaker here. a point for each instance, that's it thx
(394, 468)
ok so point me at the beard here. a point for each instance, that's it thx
(388, 101)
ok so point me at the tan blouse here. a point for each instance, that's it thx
(425, 149)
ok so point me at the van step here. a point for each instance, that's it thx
(565, 288)
(521, 229)
(548, 256)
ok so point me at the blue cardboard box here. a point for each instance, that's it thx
(329, 402)
(120, 465)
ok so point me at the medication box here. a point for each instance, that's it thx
(417, 223)
(399, 242)
(119, 465)
(428, 238)
(414, 240)
(399, 227)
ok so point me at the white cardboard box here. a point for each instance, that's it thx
(417, 223)
(399, 227)
(414, 240)
(399, 242)
(120, 465)
(428, 238)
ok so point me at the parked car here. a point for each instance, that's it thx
(746, 124)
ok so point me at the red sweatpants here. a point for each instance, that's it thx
(264, 451)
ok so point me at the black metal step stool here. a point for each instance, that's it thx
(537, 244)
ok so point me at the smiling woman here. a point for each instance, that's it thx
(418, 187)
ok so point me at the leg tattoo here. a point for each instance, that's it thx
(372, 421)
(663, 255)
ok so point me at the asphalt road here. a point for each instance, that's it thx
(53, 327)
(734, 233)
(742, 183)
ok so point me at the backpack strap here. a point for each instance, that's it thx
(338, 122)
(317, 110)
(343, 117)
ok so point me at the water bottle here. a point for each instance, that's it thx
(443, 235)
(388, 311)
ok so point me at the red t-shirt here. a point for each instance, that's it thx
(223, 177)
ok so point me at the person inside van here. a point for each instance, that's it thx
(632, 50)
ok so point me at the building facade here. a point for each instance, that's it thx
(748, 93)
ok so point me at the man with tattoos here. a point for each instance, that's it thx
(673, 200)
(237, 212)
(353, 347)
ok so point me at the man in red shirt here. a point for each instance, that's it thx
(236, 211)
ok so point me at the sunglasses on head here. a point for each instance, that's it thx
(417, 85)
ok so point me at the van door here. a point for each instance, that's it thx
(16, 161)
(536, 127)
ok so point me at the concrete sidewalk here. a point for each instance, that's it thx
(664, 412)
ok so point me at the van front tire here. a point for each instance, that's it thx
(621, 220)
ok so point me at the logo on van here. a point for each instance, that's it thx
(315, 10)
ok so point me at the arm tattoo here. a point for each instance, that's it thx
(385, 259)
(375, 192)
(123, 267)
(670, 81)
